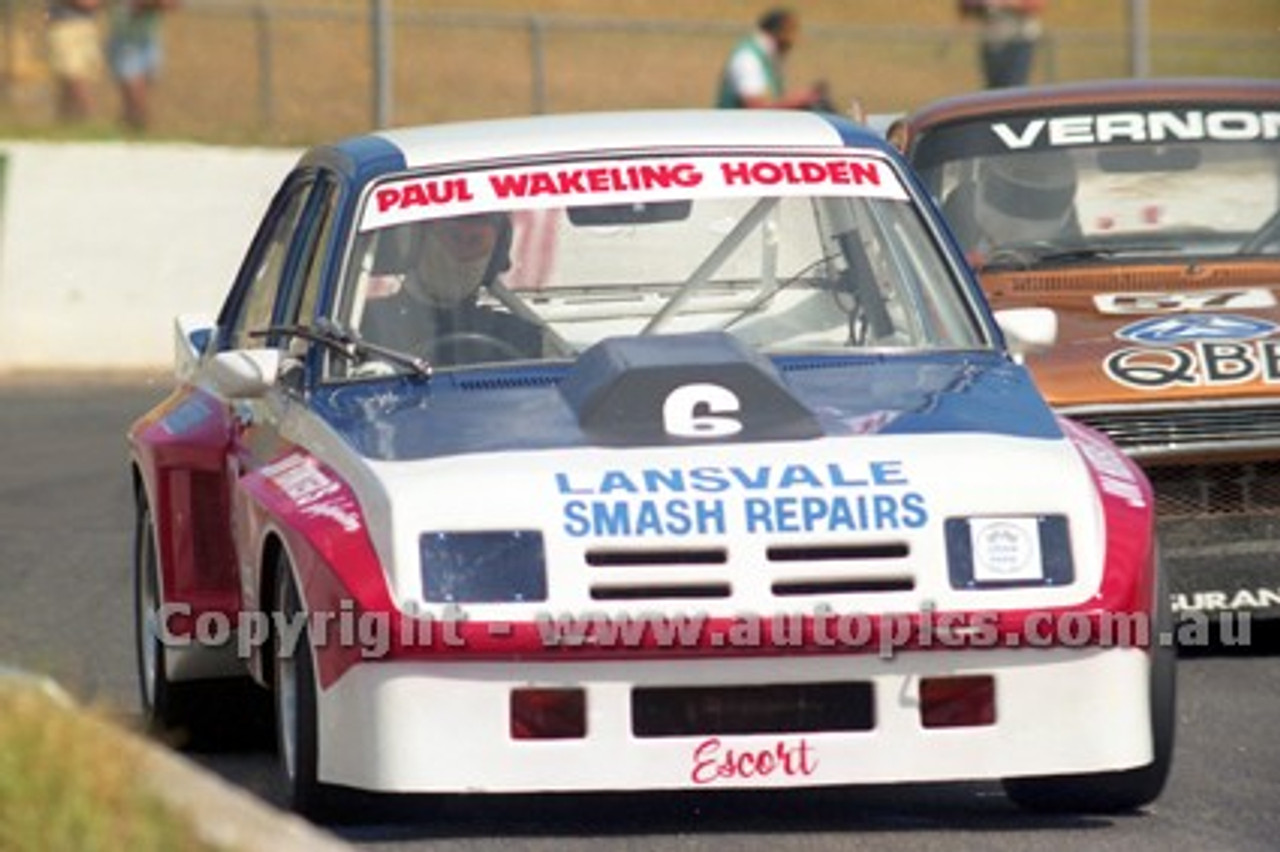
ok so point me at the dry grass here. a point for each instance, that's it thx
(67, 784)
(888, 53)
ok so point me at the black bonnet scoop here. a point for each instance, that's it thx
(682, 389)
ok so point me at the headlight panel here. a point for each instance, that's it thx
(507, 566)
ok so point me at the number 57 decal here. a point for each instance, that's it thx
(701, 410)
(1172, 303)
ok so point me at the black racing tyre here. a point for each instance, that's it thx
(294, 691)
(1130, 789)
(297, 721)
(163, 704)
(196, 715)
(297, 728)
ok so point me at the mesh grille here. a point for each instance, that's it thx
(1109, 279)
(1196, 489)
(506, 382)
(1149, 433)
(211, 553)
(1073, 282)
(1218, 490)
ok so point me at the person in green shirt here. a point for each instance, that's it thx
(133, 49)
(752, 75)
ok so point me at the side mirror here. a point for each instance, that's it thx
(191, 335)
(244, 373)
(1028, 330)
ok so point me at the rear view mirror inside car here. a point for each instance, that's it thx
(1158, 158)
(639, 213)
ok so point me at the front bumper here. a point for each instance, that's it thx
(422, 727)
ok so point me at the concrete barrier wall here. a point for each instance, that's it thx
(102, 244)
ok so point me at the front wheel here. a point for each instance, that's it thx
(297, 727)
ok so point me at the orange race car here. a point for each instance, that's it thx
(1146, 214)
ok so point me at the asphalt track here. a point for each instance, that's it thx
(65, 610)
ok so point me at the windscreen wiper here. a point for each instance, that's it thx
(347, 343)
(763, 298)
(1092, 252)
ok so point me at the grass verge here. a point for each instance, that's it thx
(67, 783)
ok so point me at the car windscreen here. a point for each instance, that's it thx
(1190, 181)
(790, 254)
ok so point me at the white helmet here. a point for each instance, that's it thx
(1026, 198)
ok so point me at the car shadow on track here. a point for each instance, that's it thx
(915, 807)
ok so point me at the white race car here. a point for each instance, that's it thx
(640, 451)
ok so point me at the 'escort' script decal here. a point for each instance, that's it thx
(626, 181)
(715, 762)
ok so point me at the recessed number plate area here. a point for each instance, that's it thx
(792, 708)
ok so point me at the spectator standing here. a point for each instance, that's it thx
(752, 76)
(75, 54)
(134, 50)
(1010, 31)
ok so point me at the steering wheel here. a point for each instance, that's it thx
(468, 347)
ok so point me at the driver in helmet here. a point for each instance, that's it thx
(1015, 202)
(433, 307)
(1026, 199)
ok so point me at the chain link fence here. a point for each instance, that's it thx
(257, 70)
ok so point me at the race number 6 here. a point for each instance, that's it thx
(701, 411)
